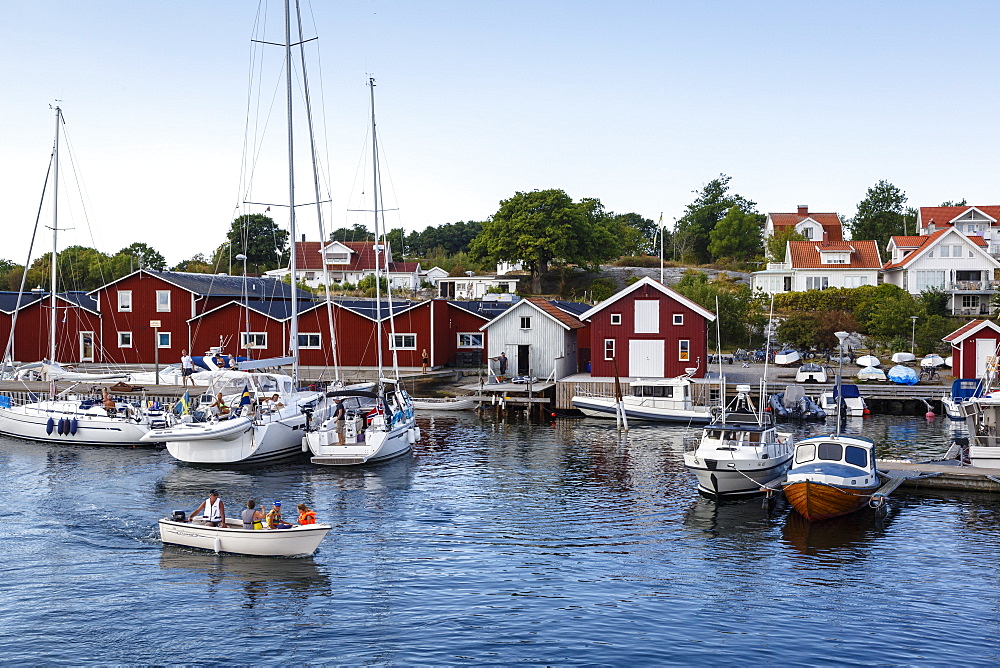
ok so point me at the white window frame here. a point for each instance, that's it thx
(309, 345)
(474, 337)
(124, 300)
(124, 339)
(525, 322)
(159, 341)
(403, 341)
(684, 350)
(616, 318)
(609, 349)
(678, 318)
(161, 307)
(252, 340)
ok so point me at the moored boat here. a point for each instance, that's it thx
(850, 399)
(793, 404)
(831, 476)
(962, 390)
(444, 404)
(810, 372)
(657, 399)
(298, 541)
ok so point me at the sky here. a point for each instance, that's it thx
(636, 103)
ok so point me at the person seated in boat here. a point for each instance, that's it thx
(233, 363)
(253, 518)
(218, 361)
(274, 517)
(108, 403)
(219, 407)
(276, 402)
(215, 511)
(306, 516)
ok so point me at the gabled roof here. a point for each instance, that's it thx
(970, 328)
(943, 216)
(219, 285)
(646, 280)
(929, 241)
(9, 301)
(564, 319)
(830, 222)
(309, 257)
(809, 254)
(485, 310)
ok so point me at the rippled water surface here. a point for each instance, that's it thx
(494, 542)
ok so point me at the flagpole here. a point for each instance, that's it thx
(661, 249)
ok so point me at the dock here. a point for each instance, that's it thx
(946, 475)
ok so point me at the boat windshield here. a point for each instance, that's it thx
(856, 456)
(804, 453)
(653, 391)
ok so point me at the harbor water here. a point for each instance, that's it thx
(494, 542)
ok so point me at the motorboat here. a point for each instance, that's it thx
(256, 429)
(740, 451)
(871, 373)
(962, 390)
(444, 404)
(787, 357)
(810, 372)
(902, 375)
(793, 404)
(903, 358)
(867, 360)
(852, 401)
(381, 429)
(831, 476)
(298, 541)
(983, 415)
(658, 399)
(932, 362)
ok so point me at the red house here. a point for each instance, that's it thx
(77, 322)
(974, 348)
(650, 331)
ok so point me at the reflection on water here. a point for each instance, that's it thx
(836, 540)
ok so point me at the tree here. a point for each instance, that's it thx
(880, 215)
(636, 235)
(199, 264)
(776, 246)
(137, 255)
(260, 239)
(737, 235)
(451, 238)
(739, 310)
(356, 232)
(10, 274)
(951, 203)
(702, 215)
(540, 227)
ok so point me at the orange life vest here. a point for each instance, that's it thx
(307, 517)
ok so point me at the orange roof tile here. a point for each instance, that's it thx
(943, 215)
(917, 243)
(830, 222)
(309, 258)
(807, 254)
(556, 312)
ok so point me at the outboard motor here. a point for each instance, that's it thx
(179, 516)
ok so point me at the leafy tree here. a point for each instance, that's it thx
(368, 285)
(740, 311)
(10, 274)
(260, 239)
(776, 245)
(636, 235)
(737, 235)
(199, 264)
(880, 214)
(934, 302)
(951, 203)
(356, 232)
(601, 289)
(704, 213)
(133, 257)
(799, 330)
(540, 227)
(451, 238)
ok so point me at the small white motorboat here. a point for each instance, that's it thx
(299, 541)
(903, 358)
(871, 373)
(444, 404)
(852, 401)
(786, 357)
(867, 360)
(963, 390)
(810, 372)
(932, 362)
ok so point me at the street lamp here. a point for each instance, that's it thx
(913, 332)
(246, 306)
(841, 337)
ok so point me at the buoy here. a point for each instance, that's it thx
(50, 426)
(74, 424)
(930, 415)
(767, 409)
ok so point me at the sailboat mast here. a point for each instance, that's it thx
(293, 333)
(376, 194)
(53, 316)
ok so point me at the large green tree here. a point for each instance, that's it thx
(135, 256)
(636, 234)
(451, 238)
(260, 239)
(741, 316)
(541, 227)
(738, 236)
(694, 229)
(881, 215)
(776, 245)
(356, 232)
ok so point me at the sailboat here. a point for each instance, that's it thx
(265, 412)
(389, 429)
(66, 417)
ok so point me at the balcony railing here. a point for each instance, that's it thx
(972, 286)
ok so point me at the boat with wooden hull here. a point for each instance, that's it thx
(299, 541)
(831, 476)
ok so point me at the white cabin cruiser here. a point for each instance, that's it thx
(740, 451)
(256, 428)
(810, 372)
(852, 401)
(298, 541)
(658, 399)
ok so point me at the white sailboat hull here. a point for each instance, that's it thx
(299, 541)
(31, 421)
(276, 439)
(376, 445)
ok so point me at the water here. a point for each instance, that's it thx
(494, 543)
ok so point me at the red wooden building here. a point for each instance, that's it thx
(77, 322)
(650, 330)
(974, 348)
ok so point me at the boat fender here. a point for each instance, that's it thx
(410, 436)
(61, 427)
(217, 545)
(416, 431)
(74, 424)
(50, 426)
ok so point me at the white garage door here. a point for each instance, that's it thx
(645, 359)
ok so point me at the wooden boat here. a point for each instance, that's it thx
(444, 404)
(831, 476)
(299, 541)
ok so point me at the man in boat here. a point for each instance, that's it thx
(187, 368)
(215, 511)
(274, 517)
(252, 517)
(276, 402)
(339, 413)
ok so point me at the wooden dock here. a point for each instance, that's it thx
(945, 475)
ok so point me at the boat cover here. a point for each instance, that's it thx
(848, 391)
(903, 375)
(966, 388)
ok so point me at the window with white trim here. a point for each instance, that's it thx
(253, 340)
(684, 350)
(930, 279)
(163, 339)
(124, 339)
(609, 349)
(678, 318)
(525, 322)
(817, 282)
(616, 318)
(402, 342)
(163, 301)
(309, 340)
(125, 300)
(470, 339)
(855, 281)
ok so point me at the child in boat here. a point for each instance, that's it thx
(274, 517)
(306, 516)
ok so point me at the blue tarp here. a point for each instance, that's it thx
(847, 390)
(966, 388)
(902, 375)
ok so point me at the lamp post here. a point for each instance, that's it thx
(246, 307)
(841, 337)
(913, 333)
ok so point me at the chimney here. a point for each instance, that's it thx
(824, 237)
(803, 209)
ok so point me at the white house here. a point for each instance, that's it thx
(349, 262)
(946, 260)
(433, 275)
(537, 336)
(471, 287)
(812, 226)
(811, 265)
(983, 221)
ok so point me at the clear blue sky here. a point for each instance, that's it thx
(635, 103)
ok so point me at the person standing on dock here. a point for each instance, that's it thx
(187, 367)
(502, 360)
(424, 360)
